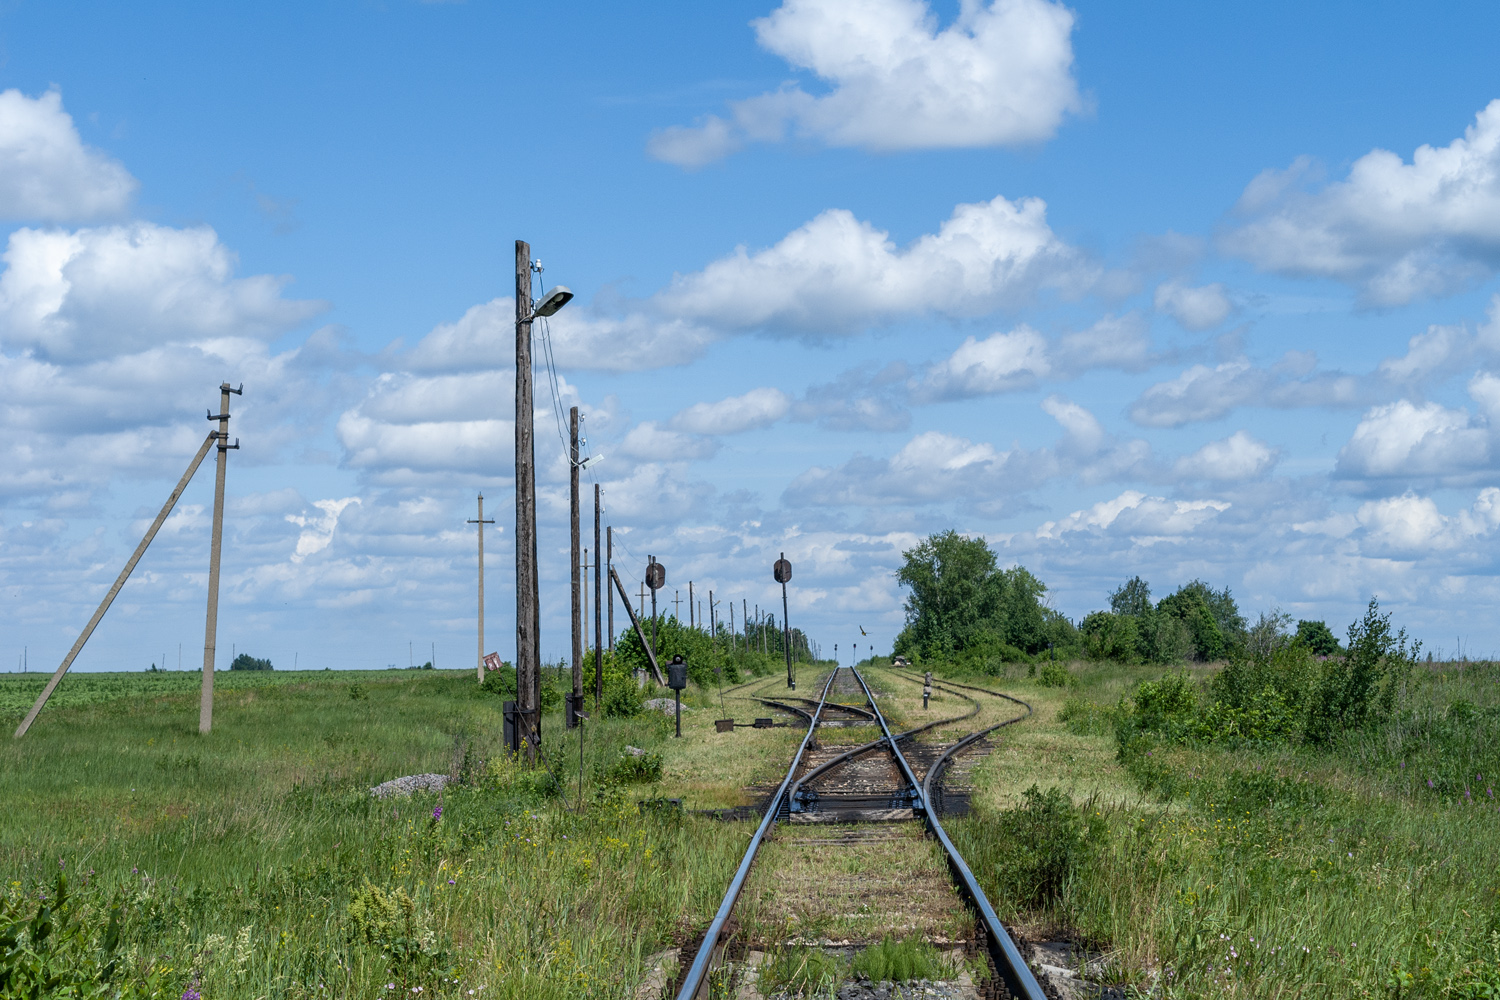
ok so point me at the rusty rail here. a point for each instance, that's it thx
(697, 973)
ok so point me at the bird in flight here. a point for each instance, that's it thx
(862, 630)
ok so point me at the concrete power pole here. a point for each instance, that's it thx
(211, 622)
(528, 613)
(574, 541)
(479, 664)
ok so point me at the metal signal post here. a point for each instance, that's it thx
(782, 571)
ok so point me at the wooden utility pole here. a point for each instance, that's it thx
(692, 621)
(609, 565)
(479, 666)
(574, 541)
(731, 626)
(211, 624)
(528, 612)
(114, 591)
(598, 618)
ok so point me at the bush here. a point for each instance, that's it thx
(1033, 851)
(630, 769)
(1110, 636)
(1363, 687)
(247, 662)
(1055, 675)
(1318, 637)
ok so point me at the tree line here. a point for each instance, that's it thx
(961, 605)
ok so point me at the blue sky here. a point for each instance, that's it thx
(1169, 289)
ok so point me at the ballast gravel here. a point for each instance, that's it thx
(411, 783)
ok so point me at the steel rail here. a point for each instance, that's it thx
(842, 708)
(934, 772)
(698, 971)
(1007, 957)
(843, 758)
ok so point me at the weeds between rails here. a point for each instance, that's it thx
(1005, 961)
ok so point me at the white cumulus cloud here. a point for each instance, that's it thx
(1200, 308)
(999, 362)
(1000, 74)
(1204, 393)
(756, 408)
(1395, 230)
(1406, 439)
(47, 174)
(76, 295)
(1237, 457)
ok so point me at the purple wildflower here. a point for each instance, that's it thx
(437, 813)
(191, 994)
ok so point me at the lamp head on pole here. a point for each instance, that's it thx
(553, 301)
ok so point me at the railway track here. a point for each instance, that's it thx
(895, 805)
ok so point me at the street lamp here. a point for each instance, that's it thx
(552, 302)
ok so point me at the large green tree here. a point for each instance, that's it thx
(961, 602)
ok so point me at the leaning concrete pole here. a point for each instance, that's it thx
(109, 598)
(211, 622)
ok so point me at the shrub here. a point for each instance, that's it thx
(1055, 675)
(1035, 849)
(1362, 688)
(634, 769)
(1318, 637)
(1110, 636)
(247, 662)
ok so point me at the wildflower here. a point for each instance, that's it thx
(191, 994)
(452, 882)
(390, 986)
(437, 813)
(1429, 783)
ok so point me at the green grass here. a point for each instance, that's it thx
(1264, 869)
(899, 961)
(253, 861)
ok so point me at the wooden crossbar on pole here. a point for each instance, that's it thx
(640, 633)
(114, 591)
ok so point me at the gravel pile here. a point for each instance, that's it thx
(411, 783)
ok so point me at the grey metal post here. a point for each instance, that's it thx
(786, 632)
(114, 591)
(479, 664)
(653, 616)
(211, 624)
(528, 613)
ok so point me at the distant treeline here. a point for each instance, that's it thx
(963, 606)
